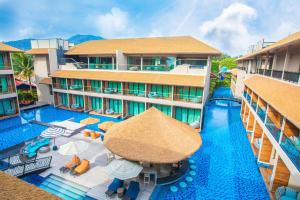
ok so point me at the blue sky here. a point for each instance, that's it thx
(228, 25)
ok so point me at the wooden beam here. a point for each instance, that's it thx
(265, 150)
(281, 177)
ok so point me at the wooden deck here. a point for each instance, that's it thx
(266, 173)
(116, 116)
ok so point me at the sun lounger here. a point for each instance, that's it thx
(82, 168)
(109, 111)
(31, 149)
(75, 106)
(113, 187)
(132, 191)
(87, 133)
(152, 94)
(70, 165)
(95, 135)
(286, 193)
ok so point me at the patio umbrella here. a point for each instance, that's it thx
(123, 169)
(53, 132)
(73, 148)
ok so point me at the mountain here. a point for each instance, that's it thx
(25, 44)
(77, 39)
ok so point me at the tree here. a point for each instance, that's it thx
(23, 66)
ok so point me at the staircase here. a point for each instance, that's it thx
(63, 188)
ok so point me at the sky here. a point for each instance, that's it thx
(228, 25)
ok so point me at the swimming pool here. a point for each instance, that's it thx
(225, 167)
(16, 130)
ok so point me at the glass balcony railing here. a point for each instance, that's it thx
(273, 129)
(188, 98)
(291, 76)
(261, 113)
(260, 71)
(245, 94)
(253, 105)
(277, 74)
(93, 89)
(268, 72)
(138, 93)
(159, 95)
(291, 147)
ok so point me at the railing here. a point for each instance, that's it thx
(291, 149)
(268, 72)
(60, 86)
(277, 74)
(159, 95)
(156, 68)
(138, 93)
(253, 105)
(261, 113)
(2, 67)
(8, 90)
(291, 76)
(93, 89)
(260, 71)
(248, 97)
(273, 129)
(188, 98)
(109, 90)
(76, 87)
(29, 167)
(102, 66)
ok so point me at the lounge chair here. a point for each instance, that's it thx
(152, 94)
(109, 111)
(82, 168)
(99, 111)
(31, 149)
(113, 187)
(108, 90)
(87, 133)
(75, 161)
(75, 106)
(75, 87)
(95, 135)
(132, 191)
(10, 111)
(287, 193)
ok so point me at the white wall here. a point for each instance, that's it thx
(207, 81)
(121, 60)
(53, 64)
(294, 60)
(279, 61)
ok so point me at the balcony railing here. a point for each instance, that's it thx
(60, 86)
(109, 90)
(138, 93)
(261, 113)
(253, 105)
(248, 97)
(292, 149)
(2, 67)
(277, 74)
(273, 129)
(260, 71)
(8, 90)
(291, 76)
(159, 95)
(93, 89)
(188, 98)
(156, 68)
(103, 66)
(268, 72)
(75, 87)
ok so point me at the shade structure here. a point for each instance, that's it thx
(89, 120)
(53, 132)
(73, 148)
(106, 125)
(123, 169)
(152, 137)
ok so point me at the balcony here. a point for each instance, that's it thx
(260, 71)
(106, 66)
(261, 113)
(7, 90)
(254, 105)
(2, 67)
(138, 93)
(248, 97)
(268, 72)
(93, 89)
(277, 74)
(273, 129)
(291, 76)
(188, 98)
(291, 146)
(60, 86)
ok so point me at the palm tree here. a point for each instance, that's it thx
(23, 66)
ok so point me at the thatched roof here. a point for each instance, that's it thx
(106, 125)
(134, 77)
(38, 51)
(152, 137)
(14, 188)
(154, 45)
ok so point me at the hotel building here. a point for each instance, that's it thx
(271, 110)
(127, 76)
(9, 105)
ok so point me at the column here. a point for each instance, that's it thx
(286, 62)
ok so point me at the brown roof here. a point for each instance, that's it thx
(135, 77)
(38, 51)
(155, 45)
(5, 47)
(153, 137)
(289, 40)
(14, 188)
(284, 97)
(106, 125)
(46, 81)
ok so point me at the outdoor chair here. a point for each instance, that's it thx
(287, 193)
(113, 187)
(132, 191)
(82, 168)
(75, 161)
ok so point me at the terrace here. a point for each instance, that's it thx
(291, 76)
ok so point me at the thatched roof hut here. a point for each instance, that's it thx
(106, 125)
(152, 137)
(14, 188)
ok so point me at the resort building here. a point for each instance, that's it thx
(124, 77)
(280, 60)
(9, 105)
(270, 109)
(48, 53)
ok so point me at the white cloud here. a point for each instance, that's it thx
(113, 23)
(230, 31)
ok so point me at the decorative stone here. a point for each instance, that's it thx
(189, 179)
(182, 184)
(193, 173)
(193, 166)
(174, 189)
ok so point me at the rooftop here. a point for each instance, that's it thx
(38, 51)
(289, 40)
(134, 77)
(155, 45)
(284, 97)
(7, 48)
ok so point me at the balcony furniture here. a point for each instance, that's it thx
(110, 90)
(114, 186)
(75, 106)
(109, 111)
(132, 191)
(195, 124)
(75, 87)
(44, 149)
(286, 193)
(196, 99)
(10, 111)
(152, 94)
(135, 68)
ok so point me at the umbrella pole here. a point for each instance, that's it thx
(54, 146)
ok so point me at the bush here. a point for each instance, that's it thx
(26, 97)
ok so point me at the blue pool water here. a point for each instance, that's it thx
(225, 167)
(16, 130)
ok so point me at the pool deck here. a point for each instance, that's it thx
(96, 177)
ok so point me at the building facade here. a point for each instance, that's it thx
(270, 109)
(47, 53)
(9, 105)
(127, 76)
